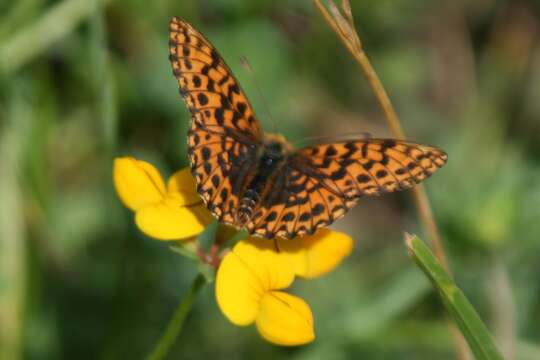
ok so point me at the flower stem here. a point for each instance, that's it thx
(177, 321)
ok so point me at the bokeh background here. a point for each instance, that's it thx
(82, 82)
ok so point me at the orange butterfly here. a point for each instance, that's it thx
(248, 178)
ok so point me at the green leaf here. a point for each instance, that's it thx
(461, 310)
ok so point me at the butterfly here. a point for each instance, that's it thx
(255, 180)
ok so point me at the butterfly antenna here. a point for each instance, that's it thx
(245, 63)
(345, 136)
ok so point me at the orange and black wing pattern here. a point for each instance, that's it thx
(321, 183)
(314, 187)
(223, 129)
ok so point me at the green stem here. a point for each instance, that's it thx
(177, 321)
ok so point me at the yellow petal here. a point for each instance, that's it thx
(237, 291)
(183, 184)
(169, 220)
(271, 269)
(137, 183)
(246, 273)
(285, 319)
(317, 254)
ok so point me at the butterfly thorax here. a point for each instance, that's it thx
(271, 157)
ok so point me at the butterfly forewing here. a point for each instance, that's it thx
(207, 84)
(371, 166)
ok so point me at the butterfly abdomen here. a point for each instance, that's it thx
(246, 207)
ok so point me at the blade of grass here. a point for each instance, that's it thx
(18, 13)
(12, 243)
(177, 321)
(473, 329)
(26, 44)
(104, 84)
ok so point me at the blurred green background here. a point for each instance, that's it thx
(83, 81)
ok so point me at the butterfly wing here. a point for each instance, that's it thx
(224, 131)
(321, 183)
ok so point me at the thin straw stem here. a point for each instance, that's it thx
(344, 28)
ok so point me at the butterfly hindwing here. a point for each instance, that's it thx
(212, 163)
(305, 205)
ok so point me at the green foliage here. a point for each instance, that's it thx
(84, 81)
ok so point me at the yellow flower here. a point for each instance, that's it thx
(251, 275)
(172, 212)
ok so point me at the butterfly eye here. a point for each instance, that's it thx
(268, 161)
